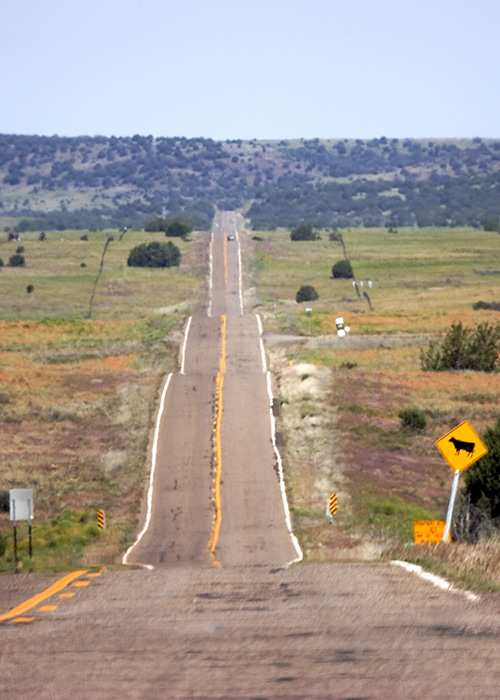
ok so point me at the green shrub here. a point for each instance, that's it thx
(413, 418)
(20, 249)
(464, 348)
(304, 232)
(306, 293)
(155, 254)
(342, 270)
(17, 260)
(1, 262)
(482, 479)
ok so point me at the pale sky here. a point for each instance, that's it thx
(264, 69)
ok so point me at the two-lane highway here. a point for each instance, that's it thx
(220, 613)
(217, 493)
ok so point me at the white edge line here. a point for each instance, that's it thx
(284, 499)
(262, 352)
(441, 583)
(183, 351)
(151, 476)
(240, 275)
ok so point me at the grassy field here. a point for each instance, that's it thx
(78, 394)
(421, 282)
(419, 279)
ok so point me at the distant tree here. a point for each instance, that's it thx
(342, 270)
(17, 260)
(178, 228)
(306, 293)
(154, 254)
(304, 232)
(492, 225)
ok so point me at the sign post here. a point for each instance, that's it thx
(21, 508)
(460, 447)
(331, 507)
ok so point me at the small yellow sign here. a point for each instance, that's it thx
(333, 504)
(429, 531)
(461, 447)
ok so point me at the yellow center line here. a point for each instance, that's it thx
(216, 523)
(32, 602)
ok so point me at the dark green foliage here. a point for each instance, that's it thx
(464, 349)
(412, 418)
(492, 225)
(306, 293)
(20, 249)
(1, 262)
(304, 232)
(329, 182)
(17, 260)
(4, 501)
(342, 270)
(84, 237)
(155, 254)
(30, 289)
(495, 305)
(482, 479)
(170, 227)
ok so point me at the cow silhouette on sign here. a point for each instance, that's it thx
(459, 445)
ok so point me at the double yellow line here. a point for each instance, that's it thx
(217, 449)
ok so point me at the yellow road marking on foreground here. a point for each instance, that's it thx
(22, 619)
(217, 519)
(32, 602)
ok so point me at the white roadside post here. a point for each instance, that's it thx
(451, 505)
(308, 312)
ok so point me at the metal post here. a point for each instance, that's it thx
(29, 530)
(15, 532)
(451, 504)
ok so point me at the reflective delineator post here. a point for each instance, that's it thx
(451, 505)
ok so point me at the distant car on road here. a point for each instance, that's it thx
(230, 237)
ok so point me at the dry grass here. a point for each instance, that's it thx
(385, 476)
(77, 396)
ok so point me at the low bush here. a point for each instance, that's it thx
(306, 293)
(304, 232)
(412, 418)
(17, 260)
(342, 270)
(464, 349)
(155, 254)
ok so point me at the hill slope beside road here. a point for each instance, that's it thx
(222, 614)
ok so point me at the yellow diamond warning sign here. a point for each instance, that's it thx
(461, 447)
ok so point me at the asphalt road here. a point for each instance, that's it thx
(215, 608)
